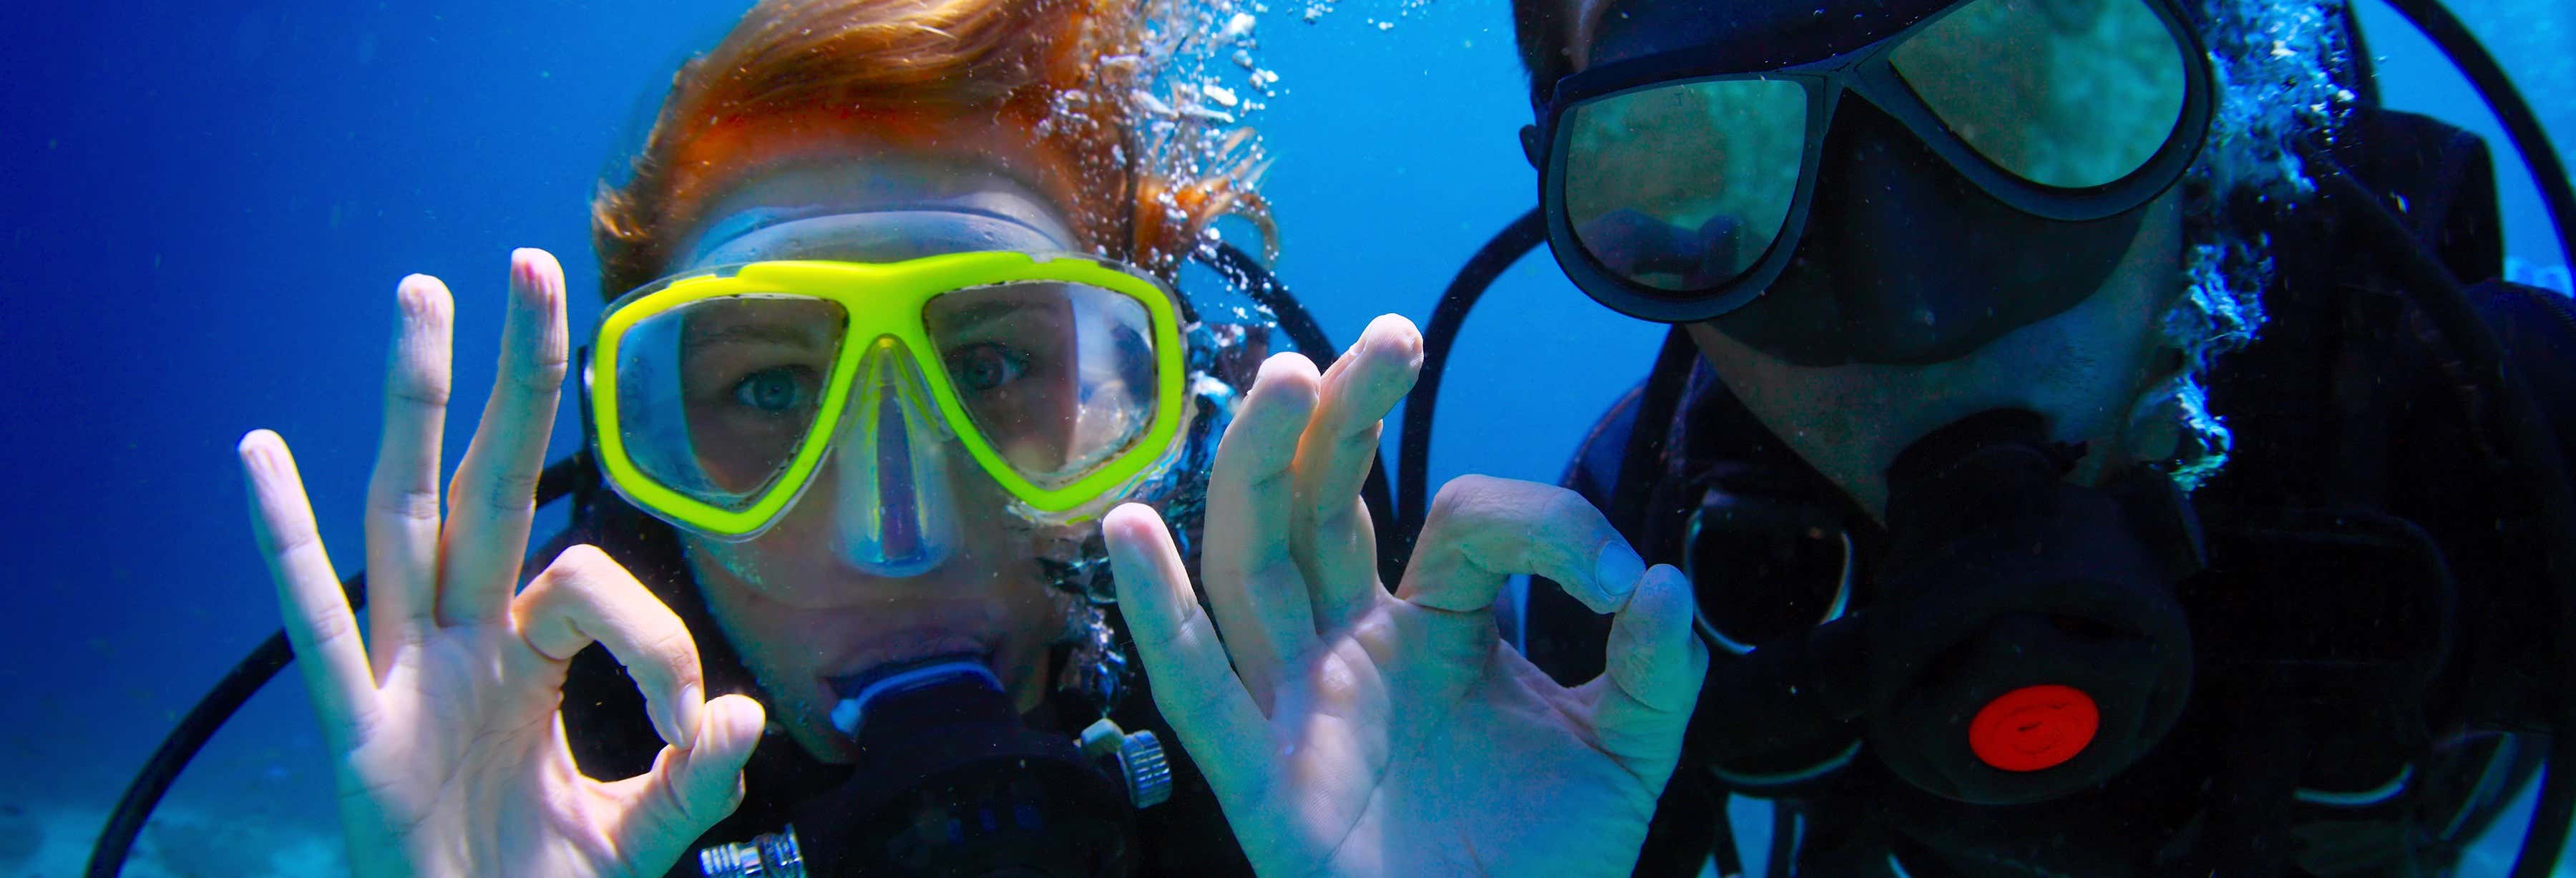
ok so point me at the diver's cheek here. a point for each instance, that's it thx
(744, 562)
(781, 659)
(2087, 368)
(988, 532)
(784, 563)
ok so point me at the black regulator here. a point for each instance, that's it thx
(950, 783)
(2020, 640)
(2026, 641)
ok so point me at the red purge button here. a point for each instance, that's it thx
(2034, 727)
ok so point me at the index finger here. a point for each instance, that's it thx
(318, 621)
(1651, 676)
(586, 597)
(1481, 531)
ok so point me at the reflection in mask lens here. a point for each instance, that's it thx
(2069, 93)
(715, 397)
(1059, 377)
(1684, 186)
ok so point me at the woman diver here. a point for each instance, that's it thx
(891, 330)
(865, 389)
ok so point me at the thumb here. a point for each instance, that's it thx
(1655, 665)
(689, 790)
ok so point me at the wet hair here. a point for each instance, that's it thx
(803, 72)
(2277, 64)
(1136, 180)
(1544, 32)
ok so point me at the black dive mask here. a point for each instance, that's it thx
(1899, 185)
(2020, 640)
(950, 783)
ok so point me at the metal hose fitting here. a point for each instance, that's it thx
(774, 855)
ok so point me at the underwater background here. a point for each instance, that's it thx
(209, 204)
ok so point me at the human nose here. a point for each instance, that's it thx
(894, 511)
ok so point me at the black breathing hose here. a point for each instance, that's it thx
(116, 842)
(107, 856)
(1413, 449)
(2458, 321)
(2533, 446)
(2521, 125)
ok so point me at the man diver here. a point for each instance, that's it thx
(2079, 459)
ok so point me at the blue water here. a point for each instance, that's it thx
(212, 202)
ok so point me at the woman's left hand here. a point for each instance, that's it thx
(1349, 731)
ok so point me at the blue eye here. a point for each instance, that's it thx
(778, 390)
(986, 366)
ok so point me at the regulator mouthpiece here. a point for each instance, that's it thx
(948, 781)
(966, 678)
(2028, 643)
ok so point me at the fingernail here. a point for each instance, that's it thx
(1618, 568)
(692, 710)
(665, 725)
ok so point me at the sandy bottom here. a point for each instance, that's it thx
(38, 840)
(187, 840)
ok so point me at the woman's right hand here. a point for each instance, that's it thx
(446, 743)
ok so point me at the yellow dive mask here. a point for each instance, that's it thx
(718, 394)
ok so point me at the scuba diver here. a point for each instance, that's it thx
(891, 367)
(2093, 431)
(887, 332)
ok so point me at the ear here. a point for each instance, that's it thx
(1531, 147)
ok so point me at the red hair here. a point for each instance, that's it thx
(800, 74)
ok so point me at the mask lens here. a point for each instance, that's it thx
(1058, 377)
(2066, 93)
(716, 397)
(1684, 186)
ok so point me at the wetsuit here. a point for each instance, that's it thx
(612, 737)
(2370, 634)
